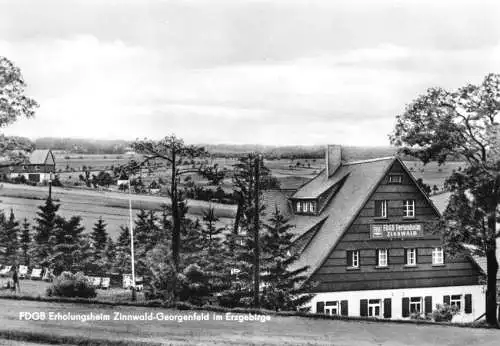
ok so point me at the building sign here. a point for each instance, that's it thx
(396, 230)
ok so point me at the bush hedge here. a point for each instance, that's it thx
(71, 285)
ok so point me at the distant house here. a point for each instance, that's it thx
(36, 168)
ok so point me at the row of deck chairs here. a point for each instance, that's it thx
(39, 274)
(127, 282)
(100, 282)
(36, 273)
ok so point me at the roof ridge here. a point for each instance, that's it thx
(369, 160)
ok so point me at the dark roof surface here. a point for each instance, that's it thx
(363, 178)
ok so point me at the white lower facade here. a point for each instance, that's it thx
(42, 177)
(375, 302)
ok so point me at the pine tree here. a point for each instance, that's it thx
(83, 256)
(25, 242)
(141, 241)
(242, 247)
(67, 254)
(122, 246)
(3, 235)
(11, 233)
(165, 224)
(212, 254)
(98, 238)
(282, 285)
(110, 253)
(154, 231)
(44, 228)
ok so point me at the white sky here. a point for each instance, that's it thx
(229, 71)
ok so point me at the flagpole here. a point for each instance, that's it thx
(131, 226)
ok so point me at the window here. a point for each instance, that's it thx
(332, 308)
(353, 259)
(395, 178)
(409, 208)
(456, 300)
(416, 305)
(381, 209)
(374, 308)
(437, 256)
(299, 207)
(382, 258)
(411, 257)
(305, 207)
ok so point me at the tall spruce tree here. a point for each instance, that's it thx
(283, 288)
(122, 246)
(3, 235)
(11, 236)
(110, 253)
(241, 243)
(25, 242)
(99, 237)
(45, 223)
(141, 241)
(212, 254)
(67, 254)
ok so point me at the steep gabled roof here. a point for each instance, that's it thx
(318, 185)
(39, 157)
(273, 199)
(363, 178)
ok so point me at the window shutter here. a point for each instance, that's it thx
(428, 304)
(387, 308)
(349, 258)
(320, 307)
(406, 307)
(388, 262)
(344, 311)
(406, 256)
(416, 256)
(446, 300)
(468, 303)
(377, 255)
(363, 307)
(378, 208)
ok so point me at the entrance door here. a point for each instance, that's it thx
(374, 308)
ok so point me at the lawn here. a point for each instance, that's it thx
(271, 330)
(35, 288)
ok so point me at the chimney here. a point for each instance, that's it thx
(333, 159)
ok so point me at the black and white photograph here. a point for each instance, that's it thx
(250, 172)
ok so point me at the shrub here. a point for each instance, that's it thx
(444, 313)
(417, 316)
(71, 285)
(194, 285)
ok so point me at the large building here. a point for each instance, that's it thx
(365, 230)
(36, 168)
